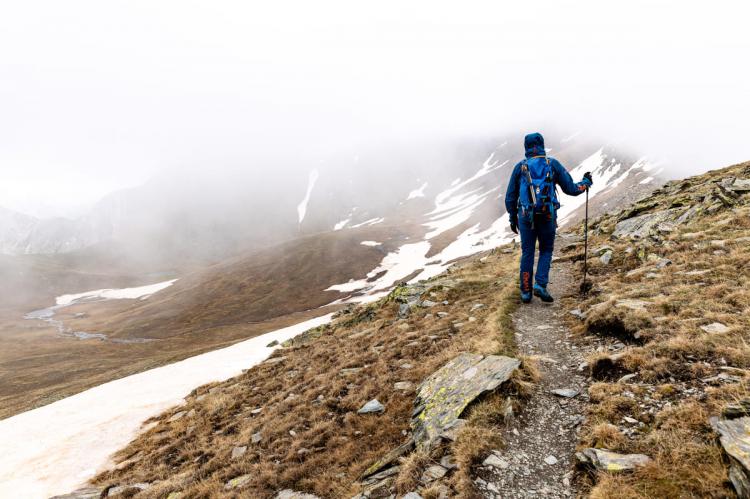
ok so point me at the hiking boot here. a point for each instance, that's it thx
(526, 296)
(541, 292)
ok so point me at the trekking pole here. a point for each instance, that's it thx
(584, 284)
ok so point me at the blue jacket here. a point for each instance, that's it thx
(535, 157)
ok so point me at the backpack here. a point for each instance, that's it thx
(537, 188)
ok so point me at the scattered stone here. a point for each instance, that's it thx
(627, 378)
(273, 344)
(737, 409)
(444, 395)
(735, 439)
(275, 360)
(576, 312)
(550, 460)
(237, 482)
(293, 494)
(496, 462)
(715, 328)
(458, 325)
(406, 365)
(641, 226)
(632, 304)
(373, 406)
(256, 411)
(630, 420)
(404, 310)
(84, 493)
(606, 257)
(432, 473)
(389, 459)
(476, 306)
(565, 392)
(660, 264)
(239, 451)
(428, 303)
(411, 495)
(177, 416)
(442, 314)
(256, 438)
(604, 460)
(348, 371)
(448, 462)
(403, 385)
(122, 489)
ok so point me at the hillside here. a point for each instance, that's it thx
(664, 330)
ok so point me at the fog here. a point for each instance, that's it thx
(97, 96)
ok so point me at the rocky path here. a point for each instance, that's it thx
(540, 441)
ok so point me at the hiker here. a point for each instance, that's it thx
(531, 202)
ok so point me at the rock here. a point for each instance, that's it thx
(737, 409)
(411, 495)
(373, 406)
(273, 344)
(348, 371)
(443, 314)
(602, 250)
(389, 458)
(735, 439)
(606, 258)
(381, 490)
(237, 482)
(576, 312)
(293, 494)
(239, 451)
(176, 416)
(741, 185)
(660, 264)
(444, 395)
(642, 225)
(565, 392)
(122, 489)
(428, 303)
(432, 473)
(256, 438)
(604, 460)
(448, 463)
(404, 310)
(406, 365)
(403, 385)
(496, 461)
(715, 328)
(550, 460)
(630, 420)
(458, 325)
(476, 306)
(632, 304)
(84, 493)
(175, 495)
(627, 378)
(256, 411)
(275, 360)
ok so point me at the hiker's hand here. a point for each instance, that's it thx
(588, 179)
(514, 224)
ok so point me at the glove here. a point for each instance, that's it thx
(514, 224)
(587, 179)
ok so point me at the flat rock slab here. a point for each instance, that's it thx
(84, 493)
(642, 225)
(293, 494)
(443, 397)
(604, 460)
(715, 328)
(735, 439)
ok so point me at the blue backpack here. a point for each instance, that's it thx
(537, 188)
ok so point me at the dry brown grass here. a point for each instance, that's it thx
(672, 355)
(312, 438)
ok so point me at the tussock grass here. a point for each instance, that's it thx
(676, 363)
(296, 413)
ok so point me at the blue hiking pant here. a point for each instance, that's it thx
(543, 230)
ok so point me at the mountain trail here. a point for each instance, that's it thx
(537, 460)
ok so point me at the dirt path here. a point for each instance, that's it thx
(540, 441)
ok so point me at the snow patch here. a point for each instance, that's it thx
(302, 207)
(417, 193)
(372, 221)
(370, 243)
(141, 292)
(646, 180)
(340, 225)
(57, 448)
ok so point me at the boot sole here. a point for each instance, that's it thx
(543, 298)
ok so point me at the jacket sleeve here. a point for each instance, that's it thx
(565, 181)
(511, 195)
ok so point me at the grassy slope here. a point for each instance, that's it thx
(312, 437)
(706, 282)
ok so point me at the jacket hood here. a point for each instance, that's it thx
(534, 145)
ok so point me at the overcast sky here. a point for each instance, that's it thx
(98, 95)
